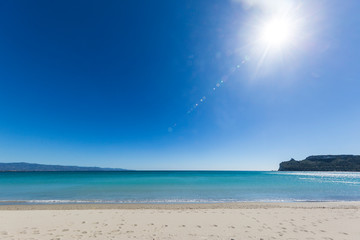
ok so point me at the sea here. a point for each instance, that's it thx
(177, 187)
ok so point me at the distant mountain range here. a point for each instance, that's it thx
(340, 163)
(31, 167)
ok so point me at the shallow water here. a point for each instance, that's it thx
(177, 187)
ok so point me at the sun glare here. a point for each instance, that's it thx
(275, 39)
(276, 33)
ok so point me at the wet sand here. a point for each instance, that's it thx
(317, 220)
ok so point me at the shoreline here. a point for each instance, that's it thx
(185, 206)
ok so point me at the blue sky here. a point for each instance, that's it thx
(131, 84)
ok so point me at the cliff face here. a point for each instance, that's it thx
(323, 163)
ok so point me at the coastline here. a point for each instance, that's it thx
(185, 206)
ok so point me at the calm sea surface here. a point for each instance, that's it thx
(176, 187)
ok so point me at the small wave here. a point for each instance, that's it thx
(164, 201)
(57, 201)
(323, 174)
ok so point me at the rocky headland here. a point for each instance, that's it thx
(341, 163)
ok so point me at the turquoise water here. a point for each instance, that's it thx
(176, 187)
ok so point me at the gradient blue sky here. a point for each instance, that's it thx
(115, 83)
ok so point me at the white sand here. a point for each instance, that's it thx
(216, 221)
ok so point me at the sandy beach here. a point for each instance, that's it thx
(182, 221)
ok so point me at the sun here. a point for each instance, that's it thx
(276, 33)
(275, 37)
